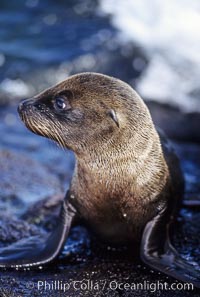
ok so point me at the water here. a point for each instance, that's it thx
(40, 39)
(169, 34)
(42, 42)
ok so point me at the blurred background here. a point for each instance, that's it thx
(155, 47)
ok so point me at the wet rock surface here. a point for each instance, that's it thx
(24, 181)
(13, 229)
(177, 125)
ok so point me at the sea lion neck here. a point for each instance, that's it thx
(115, 159)
(117, 164)
(107, 160)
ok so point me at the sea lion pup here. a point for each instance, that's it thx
(126, 184)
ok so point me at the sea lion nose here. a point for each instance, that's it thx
(24, 104)
(21, 104)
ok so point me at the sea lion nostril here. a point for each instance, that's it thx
(19, 107)
(25, 104)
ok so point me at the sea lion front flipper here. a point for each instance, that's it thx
(157, 251)
(36, 251)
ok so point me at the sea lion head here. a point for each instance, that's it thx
(84, 111)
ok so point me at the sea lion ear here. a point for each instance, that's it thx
(113, 115)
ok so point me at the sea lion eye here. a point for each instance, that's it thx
(60, 103)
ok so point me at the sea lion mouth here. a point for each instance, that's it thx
(28, 114)
(37, 118)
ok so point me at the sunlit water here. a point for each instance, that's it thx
(40, 39)
(169, 33)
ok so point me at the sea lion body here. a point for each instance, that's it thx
(127, 181)
(118, 210)
(121, 178)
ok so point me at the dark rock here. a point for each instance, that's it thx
(24, 181)
(189, 155)
(176, 124)
(45, 212)
(12, 230)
